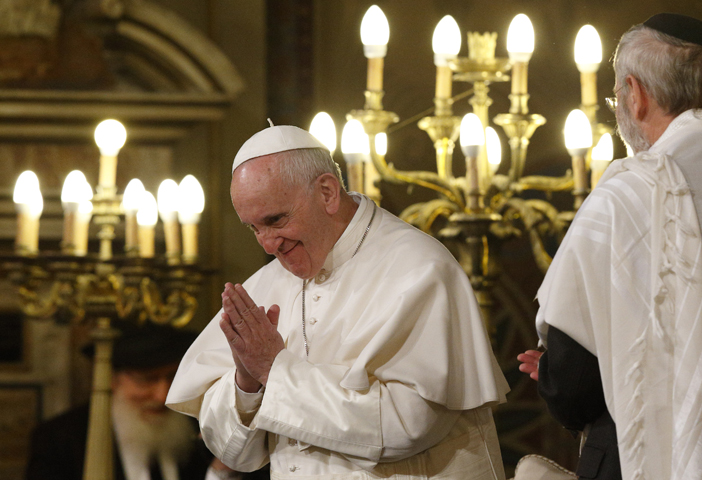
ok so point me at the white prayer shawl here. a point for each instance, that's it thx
(626, 284)
(399, 315)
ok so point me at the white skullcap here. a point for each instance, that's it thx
(276, 139)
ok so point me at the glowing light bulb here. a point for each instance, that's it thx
(494, 148)
(578, 132)
(446, 41)
(323, 128)
(132, 195)
(354, 139)
(381, 144)
(588, 49)
(472, 135)
(147, 216)
(27, 195)
(191, 200)
(520, 39)
(110, 136)
(375, 33)
(76, 189)
(604, 150)
(168, 200)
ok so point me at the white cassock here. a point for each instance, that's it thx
(626, 283)
(399, 379)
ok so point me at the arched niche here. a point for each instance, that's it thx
(144, 65)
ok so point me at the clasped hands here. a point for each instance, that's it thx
(252, 336)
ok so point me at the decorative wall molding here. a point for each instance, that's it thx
(166, 76)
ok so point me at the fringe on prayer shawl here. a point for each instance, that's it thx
(666, 222)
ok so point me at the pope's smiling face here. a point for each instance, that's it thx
(292, 223)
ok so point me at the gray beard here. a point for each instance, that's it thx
(628, 131)
(172, 436)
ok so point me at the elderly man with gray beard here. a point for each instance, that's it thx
(621, 304)
(151, 441)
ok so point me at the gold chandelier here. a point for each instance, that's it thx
(481, 208)
(75, 285)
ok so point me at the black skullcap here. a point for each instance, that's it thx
(679, 26)
(147, 346)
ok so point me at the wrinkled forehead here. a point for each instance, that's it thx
(256, 175)
(258, 184)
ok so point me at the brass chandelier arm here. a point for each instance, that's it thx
(36, 307)
(188, 305)
(545, 184)
(423, 215)
(541, 257)
(424, 179)
(539, 219)
(177, 310)
(46, 293)
(127, 299)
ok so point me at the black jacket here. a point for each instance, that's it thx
(58, 452)
(570, 382)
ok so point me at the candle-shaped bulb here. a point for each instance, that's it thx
(132, 195)
(472, 135)
(494, 148)
(192, 203)
(168, 203)
(76, 189)
(588, 50)
(520, 39)
(602, 155)
(131, 201)
(323, 128)
(446, 41)
(375, 33)
(381, 144)
(604, 150)
(27, 195)
(29, 204)
(578, 133)
(81, 226)
(191, 200)
(85, 209)
(110, 136)
(168, 200)
(147, 216)
(354, 139)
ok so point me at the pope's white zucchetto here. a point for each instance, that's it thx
(280, 138)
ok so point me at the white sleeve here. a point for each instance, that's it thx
(305, 402)
(225, 422)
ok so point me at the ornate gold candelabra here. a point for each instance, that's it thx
(75, 285)
(481, 209)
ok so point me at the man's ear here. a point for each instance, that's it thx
(329, 189)
(639, 98)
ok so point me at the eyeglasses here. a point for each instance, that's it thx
(611, 103)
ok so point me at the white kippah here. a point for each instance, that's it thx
(276, 139)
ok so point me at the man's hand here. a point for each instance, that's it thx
(530, 363)
(252, 336)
